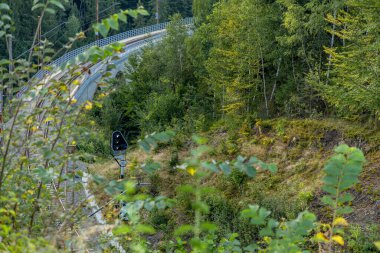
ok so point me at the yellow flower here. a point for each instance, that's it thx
(338, 239)
(63, 87)
(88, 106)
(73, 101)
(34, 128)
(29, 120)
(267, 239)
(73, 143)
(320, 237)
(191, 170)
(48, 119)
(340, 222)
(80, 35)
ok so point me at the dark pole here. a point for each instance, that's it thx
(97, 16)
(38, 42)
(11, 67)
(157, 11)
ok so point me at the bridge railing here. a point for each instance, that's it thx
(106, 41)
(101, 43)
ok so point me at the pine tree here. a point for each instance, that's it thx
(73, 26)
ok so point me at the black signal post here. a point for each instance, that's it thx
(119, 146)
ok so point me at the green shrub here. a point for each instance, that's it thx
(95, 143)
(361, 239)
(159, 220)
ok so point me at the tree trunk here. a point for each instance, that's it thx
(331, 46)
(264, 83)
(275, 80)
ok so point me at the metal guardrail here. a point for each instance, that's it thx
(87, 88)
(101, 43)
(107, 41)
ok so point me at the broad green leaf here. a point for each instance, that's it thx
(50, 11)
(38, 6)
(142, 11)
(251, 172)
(114, 22)
(122, 17)
(329, 189)
(161, 205)
(343, 149)
(6, 17)
(199, 140)
(257, 215)
(57, 3)
(210, 166)
(122, 230)
(207, 226)
(4, 6)
(252, 248)
(152, 142)
(102, 29)
(201, 150)
(144, 145)
(149, 205)
(132, 13)
(272, 168)
(184, 229)
(268, 230)
(328, 200)
(226, 169)
(145, 229)
(151, 167)
(331, 180)
(345, 197)
(200, 206)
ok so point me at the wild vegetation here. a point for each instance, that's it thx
(257, 128)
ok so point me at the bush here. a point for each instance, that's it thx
(158, 111)
(361, 239)
(225, 214)
(95, 144)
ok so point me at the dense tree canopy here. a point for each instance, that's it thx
(260, 59)
(81, 15)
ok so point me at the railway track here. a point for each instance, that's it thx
(64, 194)
(69, 197)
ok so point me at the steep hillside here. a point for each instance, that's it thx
(300, 148)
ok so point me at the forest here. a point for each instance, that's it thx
(80, 15)
(245, 126)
